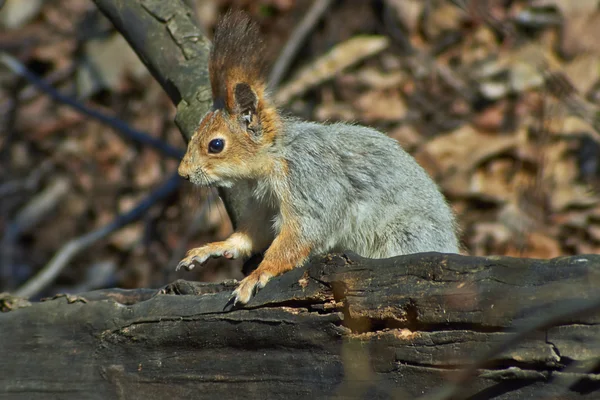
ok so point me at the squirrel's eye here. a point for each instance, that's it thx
(216, 146)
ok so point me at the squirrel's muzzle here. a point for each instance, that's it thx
(183, 171)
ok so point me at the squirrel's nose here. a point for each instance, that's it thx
(183, 173)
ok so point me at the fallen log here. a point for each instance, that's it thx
(341, 327)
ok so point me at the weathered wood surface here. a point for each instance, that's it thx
(342, 327)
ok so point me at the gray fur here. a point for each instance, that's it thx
(354, 188)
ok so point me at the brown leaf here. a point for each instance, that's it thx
(536, 245)
(491, 118)
(16, 13)
(583, 71)
(380, 105)
(456, 155)
(581, 34)
(326, 67)
(409, 13)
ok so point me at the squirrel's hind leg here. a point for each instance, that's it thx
(237, 245)
(285, 253)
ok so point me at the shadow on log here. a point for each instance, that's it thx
(341, 327)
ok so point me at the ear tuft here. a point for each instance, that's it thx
(245, 99)
(246, 102)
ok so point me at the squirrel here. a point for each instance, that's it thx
(301, 188)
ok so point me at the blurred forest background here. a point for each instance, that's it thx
(496, 99)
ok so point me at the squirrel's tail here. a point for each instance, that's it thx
(237, 56)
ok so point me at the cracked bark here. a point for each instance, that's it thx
(173, 47)
(341, 327)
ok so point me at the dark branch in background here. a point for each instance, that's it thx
(53, 78)
(6, 275)
(182, 246)
(174, 49)
(47, 274)
(115, 123)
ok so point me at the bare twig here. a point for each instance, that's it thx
(481, 9)
(295, 41)
(119, 126)
(29, 216)
(30, 183)
(42, 204)
(9, 117)
(559, 86)
(75, 246)
(330, 64)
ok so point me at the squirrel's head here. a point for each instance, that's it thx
(232, 143)
(233, 139)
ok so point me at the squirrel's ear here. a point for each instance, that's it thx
(246, 102)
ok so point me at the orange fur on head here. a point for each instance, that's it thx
(233, 162)
(242, 114)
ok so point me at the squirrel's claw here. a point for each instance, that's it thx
(201, 255)
(242, 294)
(249, 286)
(190, 262)
(181, 264)
(197, 256)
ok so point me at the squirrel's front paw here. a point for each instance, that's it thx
(249, 286)
(200, 256)
(195, 256)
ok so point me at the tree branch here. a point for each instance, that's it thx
(170, 43)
